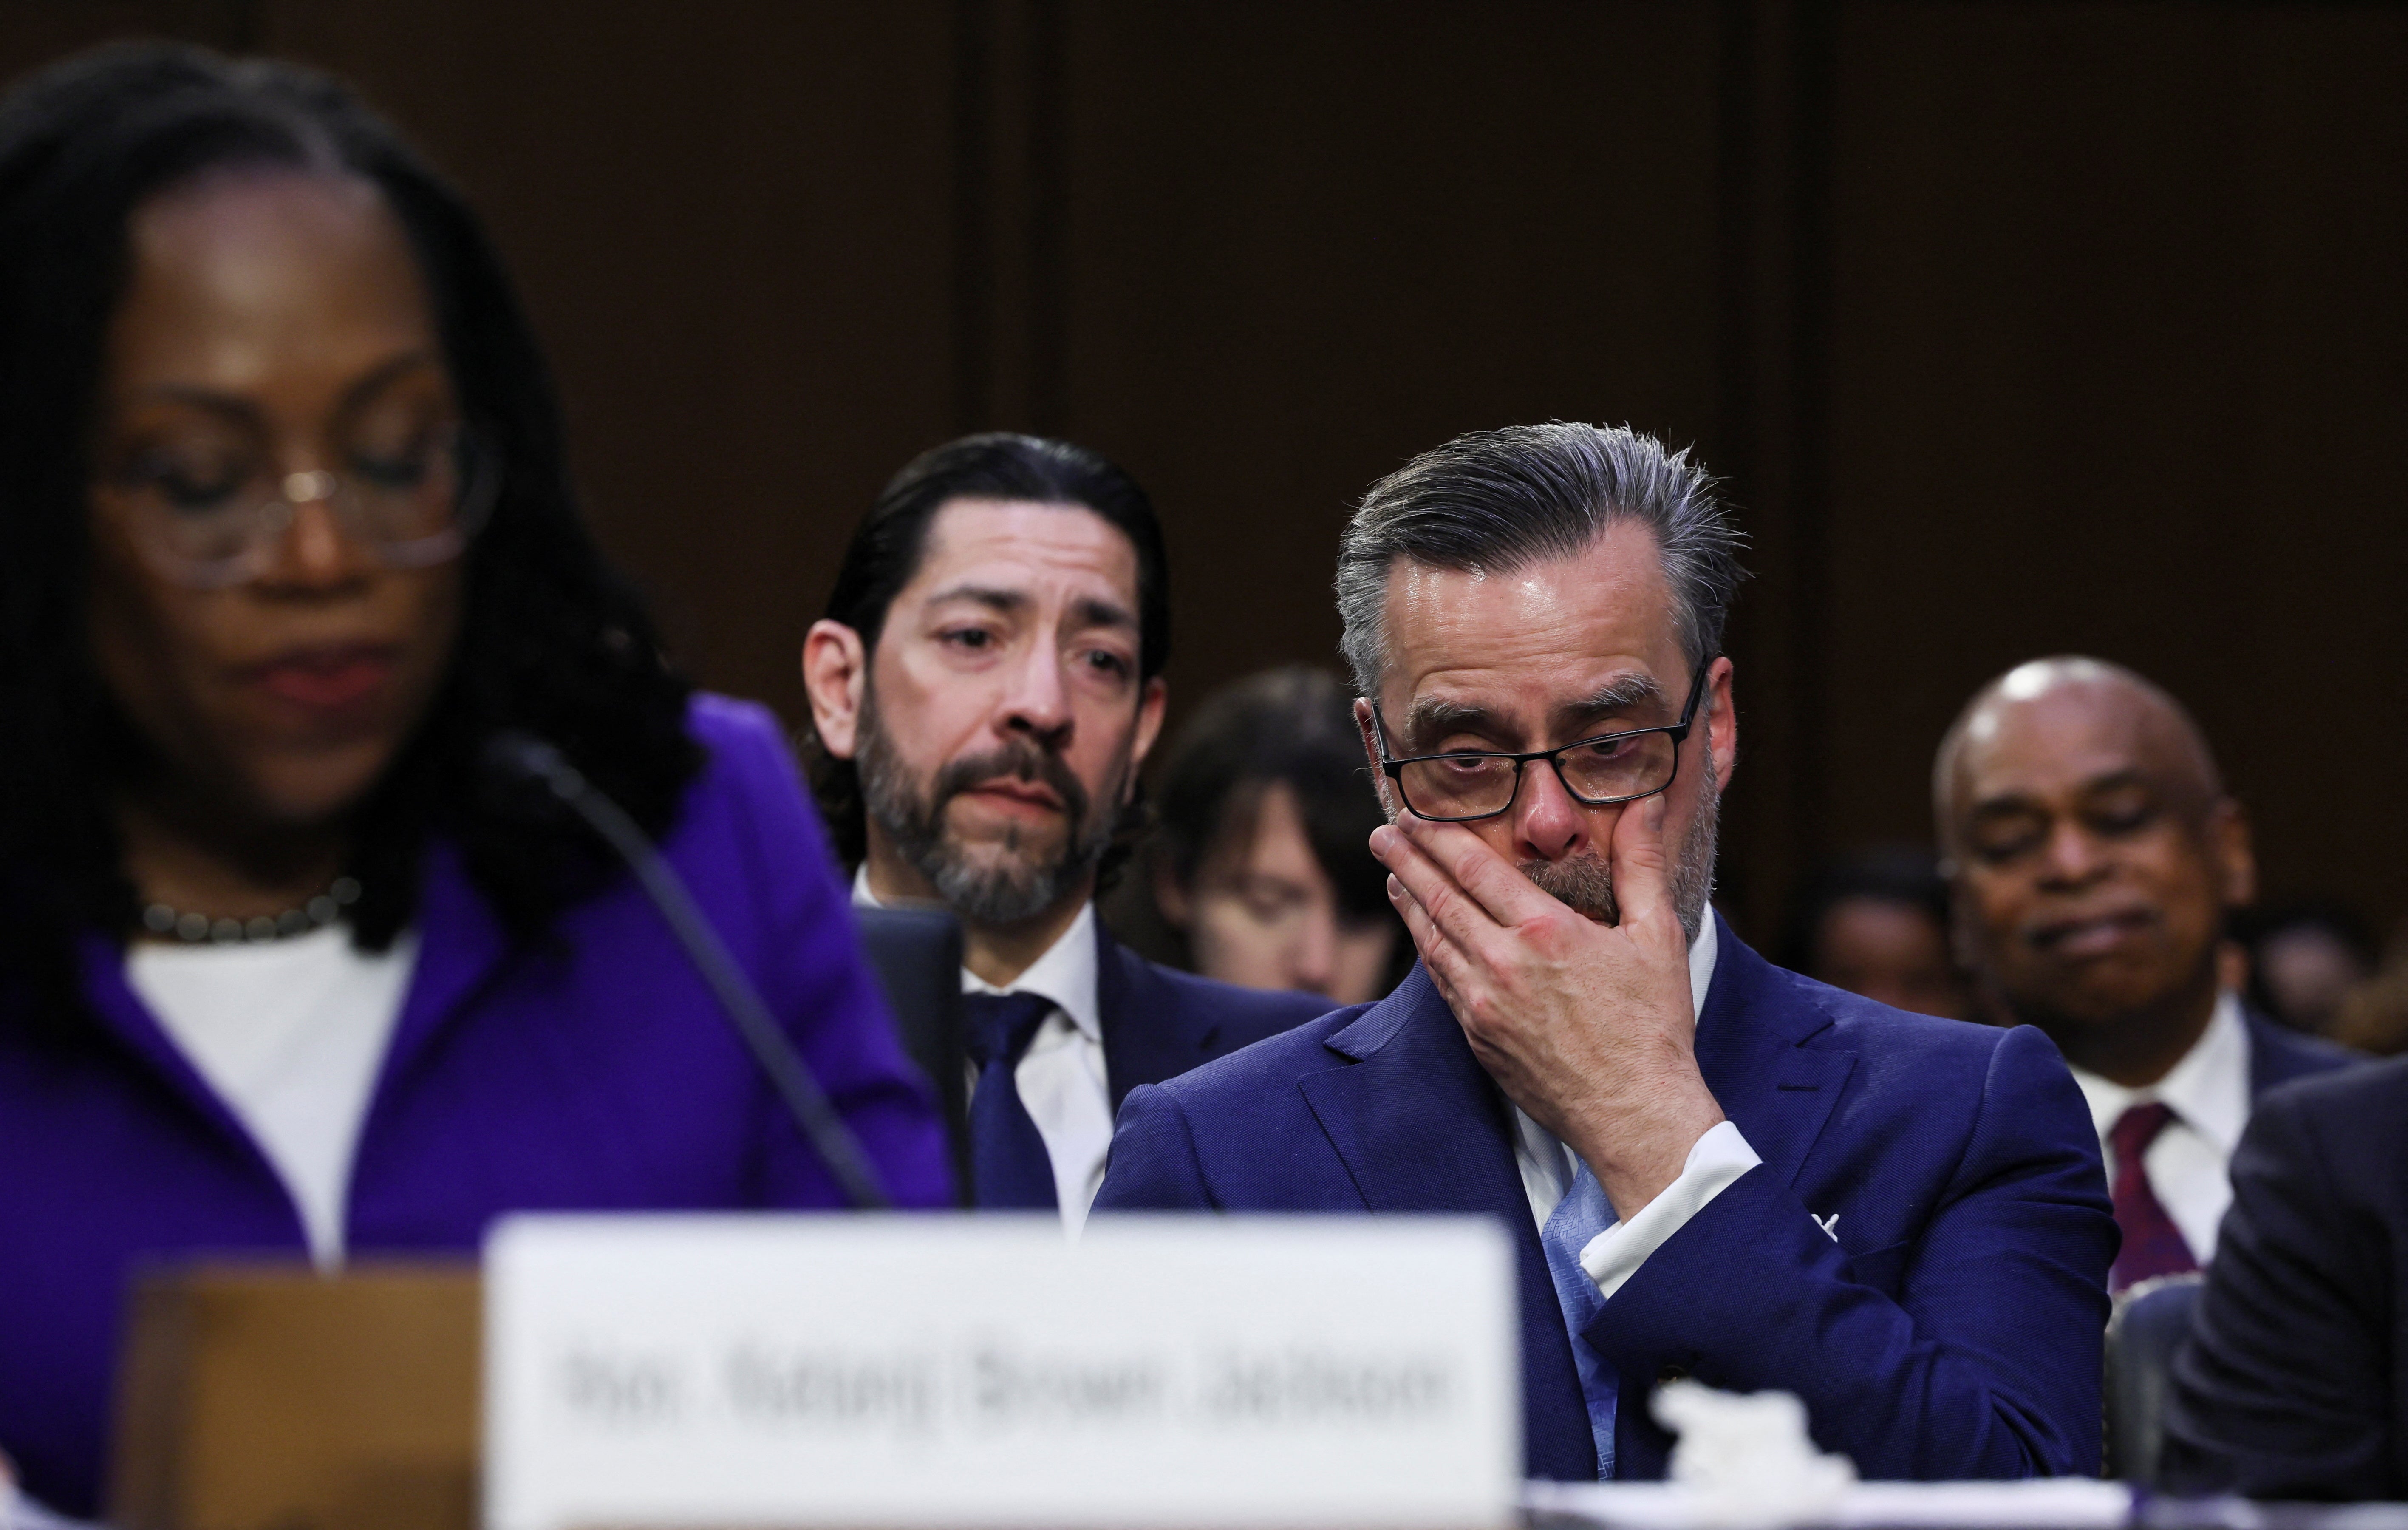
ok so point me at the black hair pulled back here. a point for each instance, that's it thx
(885, 552)
(551, 640)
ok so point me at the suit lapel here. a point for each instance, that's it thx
(1416, 1119)
(461, 948)
(1421, 1128)
(131, 1024)
(1148, 1036)
(1751, 1051)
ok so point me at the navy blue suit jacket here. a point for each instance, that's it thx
(1950, 1324)
(1159, 1022)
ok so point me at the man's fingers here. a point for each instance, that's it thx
(1641, 884)
(1437, 953)
(1455, 912)
(1501, 889)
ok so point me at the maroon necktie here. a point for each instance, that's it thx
(2153, 1244)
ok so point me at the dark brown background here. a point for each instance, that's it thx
(2018, 328)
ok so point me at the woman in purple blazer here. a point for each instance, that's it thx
(289, 540)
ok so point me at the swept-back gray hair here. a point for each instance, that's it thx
(1497, 500)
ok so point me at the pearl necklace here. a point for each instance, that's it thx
(200, 930)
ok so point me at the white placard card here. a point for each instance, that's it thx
(947, 1372)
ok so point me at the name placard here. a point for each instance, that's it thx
(980, 1371)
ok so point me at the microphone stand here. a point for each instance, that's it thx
(529, 758)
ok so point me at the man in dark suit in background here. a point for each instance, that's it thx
(1710, 1167)
(983, 688)
(2095, 856)
(2294, 1383)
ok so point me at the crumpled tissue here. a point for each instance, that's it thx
(1748, 1457)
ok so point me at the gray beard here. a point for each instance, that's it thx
(1013, 888)
(1584, 883)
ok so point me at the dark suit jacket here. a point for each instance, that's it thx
(2278, 1054)
(1159, 1022)
(1948, 1326)
(2294, 1383)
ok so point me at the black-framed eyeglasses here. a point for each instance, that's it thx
(1464, 785)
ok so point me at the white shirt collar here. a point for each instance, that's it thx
(2208, 1089)
(1702, 952)
(1065, 973)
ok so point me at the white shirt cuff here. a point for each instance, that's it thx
(1714, 1160)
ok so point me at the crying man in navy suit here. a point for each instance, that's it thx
(1712, 1167)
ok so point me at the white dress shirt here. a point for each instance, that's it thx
(1715, 1160)
(1061, 1077)
(291, 1033)
(2208, 1092)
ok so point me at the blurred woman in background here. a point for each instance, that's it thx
(282, 966)
(1875, 922)
(1263, 863)
(2304, 959)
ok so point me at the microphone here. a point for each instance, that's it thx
(519, 757)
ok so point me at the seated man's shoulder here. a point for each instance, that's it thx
(1929, 1069)
(2279, 1055)
(1242, 1015)
(2362, 1108)
(1280, 1056)
(1868, 1025)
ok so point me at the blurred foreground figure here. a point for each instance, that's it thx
(1261, 863)
(2294, 1383)
(1712, 1167)
(1876, 923)
(289, 540)
(2095, 856)
(983, 688)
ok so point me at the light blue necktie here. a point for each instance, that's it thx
(1577, 1220)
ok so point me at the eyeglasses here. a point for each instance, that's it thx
(1599, 772)
(209, 529)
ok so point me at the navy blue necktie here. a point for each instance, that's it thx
(1008, 1157)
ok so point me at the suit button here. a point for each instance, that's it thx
(1670, 1373)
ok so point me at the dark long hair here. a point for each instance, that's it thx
(551, 640)
(1291, 727)
(885, 551)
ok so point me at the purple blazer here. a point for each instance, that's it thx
(592, 1071)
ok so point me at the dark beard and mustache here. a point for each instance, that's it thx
(1008, 887)
(1584, 883)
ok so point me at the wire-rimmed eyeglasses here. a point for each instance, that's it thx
(410, 508)
(1462, 786)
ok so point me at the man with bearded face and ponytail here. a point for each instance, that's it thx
(1710, 1167)
(983, 688)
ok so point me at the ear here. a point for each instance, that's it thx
(1369, 725)
(1149, 705)
(2233, 852)
(836, 674)
(1722, 720)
